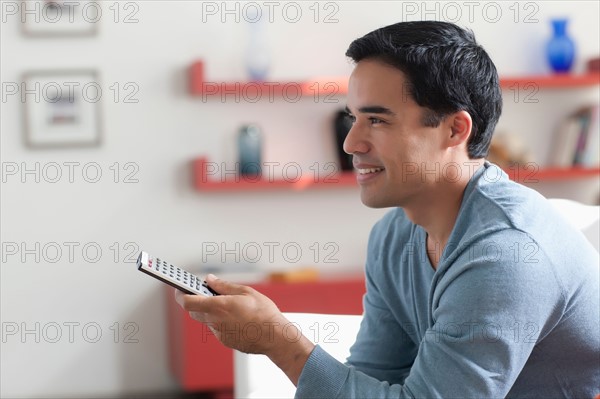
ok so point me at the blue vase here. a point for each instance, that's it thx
(560, 49)
(258, 57)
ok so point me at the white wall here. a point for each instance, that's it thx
(161, 134)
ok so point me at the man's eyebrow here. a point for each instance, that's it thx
(373, 109)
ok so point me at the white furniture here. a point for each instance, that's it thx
(585, 218)
(257, 377)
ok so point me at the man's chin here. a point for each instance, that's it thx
(374, 202)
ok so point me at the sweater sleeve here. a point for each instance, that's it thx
(392, 361)
(489, 310)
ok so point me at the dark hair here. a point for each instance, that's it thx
(447, 71)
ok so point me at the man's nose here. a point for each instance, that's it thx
(355, 141)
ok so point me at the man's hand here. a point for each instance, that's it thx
(244, 319)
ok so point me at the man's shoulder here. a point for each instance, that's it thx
(508, 226)
(494, 203)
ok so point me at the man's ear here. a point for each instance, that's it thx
(460, 125)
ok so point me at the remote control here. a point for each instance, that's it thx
(172, 275)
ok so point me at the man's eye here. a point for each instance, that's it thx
(375, 121)
(351, 118)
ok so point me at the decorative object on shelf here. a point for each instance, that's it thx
(62, 108)
(249, 147)
(576, 140)
(593, 65)
(61, 18)
(560, 50)
(342, 126)
(258, 57)
(508, 150)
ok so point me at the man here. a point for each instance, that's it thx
(475, 286)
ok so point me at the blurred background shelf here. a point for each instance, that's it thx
(338, 85)
(552, 81)
(301, 88)
(205, 183)
(533, 175)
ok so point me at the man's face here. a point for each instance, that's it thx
(388, 135)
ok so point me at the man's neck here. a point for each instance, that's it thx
(437, 213)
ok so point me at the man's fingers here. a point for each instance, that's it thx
(225, 287)
(195, 303)
(199, 316)
(219, 303)
(179, 297)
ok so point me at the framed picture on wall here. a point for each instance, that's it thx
(61, 108)
(60, 18)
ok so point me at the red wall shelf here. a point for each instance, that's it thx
(256, 90)
(207, 183)
(551, 81)
(534, 175)
(339, 85)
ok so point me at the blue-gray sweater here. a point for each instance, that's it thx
(513, 309)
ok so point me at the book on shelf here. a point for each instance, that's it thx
(591, 153)
(576, 142)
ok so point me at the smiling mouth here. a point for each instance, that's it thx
(369, 170)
